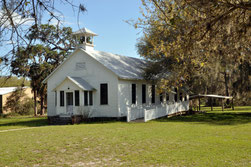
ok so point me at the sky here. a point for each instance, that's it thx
(107, 18)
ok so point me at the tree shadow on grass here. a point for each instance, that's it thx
(26, 123)
(229, 109)
(230, 118)
(103, 121)
(246, 108)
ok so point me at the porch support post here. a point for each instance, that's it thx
(211, 99)
(222, 101)
(199, 102)
(164, 97)
(232, 103)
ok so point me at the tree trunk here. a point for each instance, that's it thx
(226, 78)
(42, 105)
(35, 103)
(199, 103)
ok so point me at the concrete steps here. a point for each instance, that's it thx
(138, 120)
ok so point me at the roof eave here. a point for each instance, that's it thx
(85, 33)
(80, 86)
(127, 78)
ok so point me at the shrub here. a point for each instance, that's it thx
(13, 103)
(27, 107)
(17, 106)
(86, 112)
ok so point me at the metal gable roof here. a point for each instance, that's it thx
(6, 90)
(124, 67)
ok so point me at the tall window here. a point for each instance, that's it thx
(185, 97)
(55, 98)
(86, 98)
(153, 93)
(90, 98)
(76, 97)
(181, 99)
(161, 97)
(143, 93)
(167, 97)
(103, 94)
(176, 95)
(61, 98)
(133, 93)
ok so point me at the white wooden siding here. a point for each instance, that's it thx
(95, 74)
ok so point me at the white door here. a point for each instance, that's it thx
(69, 103)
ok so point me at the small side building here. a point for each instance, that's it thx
(6, 92)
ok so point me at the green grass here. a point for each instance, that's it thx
(211, 139)
(22, 122)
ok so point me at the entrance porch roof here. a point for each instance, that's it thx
(79, 82)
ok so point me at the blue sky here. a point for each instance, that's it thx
(107, 19)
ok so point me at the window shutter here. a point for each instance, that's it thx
(161, 97)
(133, 93)
(176, 95)
(143, 93)
(61, 98)
(76, 97)
(103, 94)
(86, 98)
(153, 94)
(90, 98)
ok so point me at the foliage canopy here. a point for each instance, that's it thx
(196, 40)
(38, 60)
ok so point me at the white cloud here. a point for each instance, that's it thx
(17, 19)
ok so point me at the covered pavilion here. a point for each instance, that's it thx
(199, 96)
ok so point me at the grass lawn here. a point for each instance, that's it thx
(211, 139)
(22, 122)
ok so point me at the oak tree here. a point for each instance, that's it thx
(199, 41)
(38, 60)
(17, 17)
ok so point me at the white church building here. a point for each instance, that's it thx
(106, 85)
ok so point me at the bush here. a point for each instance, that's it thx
(86, 112)
(27, 107)
(3, 115)
(13, 103)
(17, 106)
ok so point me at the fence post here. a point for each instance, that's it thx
(128, 113)
(144, 115)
